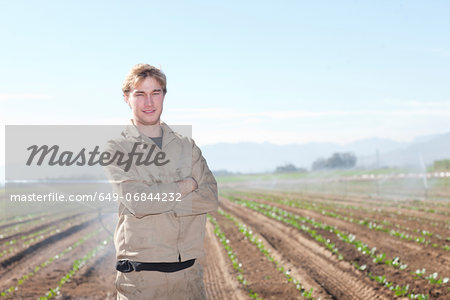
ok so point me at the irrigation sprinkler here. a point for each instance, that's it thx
(424, 169)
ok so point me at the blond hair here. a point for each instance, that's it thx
(138, 73)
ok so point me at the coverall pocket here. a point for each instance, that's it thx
(138, 233)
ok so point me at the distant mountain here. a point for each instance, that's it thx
(424, 150)
(371, 146)
(425, 138)
(260, 157)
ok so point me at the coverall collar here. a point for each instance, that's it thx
(133, 133)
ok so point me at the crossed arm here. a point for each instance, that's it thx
(198, 192)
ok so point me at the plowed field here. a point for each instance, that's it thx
(260, 244)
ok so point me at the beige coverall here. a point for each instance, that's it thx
(161, 231)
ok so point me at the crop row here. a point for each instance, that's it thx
(50, 260)
(398, 290)
(425, 209)
(76, 266)
(345, 208)
(370, 224)
(234, 261)
(349, 238)
(299, 223)
(32, 222)
(28, 236)
(330, 210)
(34, 237)
(21, 218)
(351, 210)
(21, 227)
(428, 206)
(248, 234)
(27, 240)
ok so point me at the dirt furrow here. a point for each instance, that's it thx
(377, 210)
(7, 225)
(48, 277)
(437, 259)
(51, 239)
(376, 206)
(26, 263)
(300, 274)
(409, 226)
(262, 275)
(39, 227)
(95, 280)
(219, 276)
(339, 278)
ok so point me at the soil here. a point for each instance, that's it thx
(307, 260)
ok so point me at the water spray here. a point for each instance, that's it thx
(424, 169)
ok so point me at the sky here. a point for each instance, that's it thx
(258, 71)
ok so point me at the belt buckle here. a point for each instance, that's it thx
(125, 266)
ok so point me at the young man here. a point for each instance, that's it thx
(163, 202)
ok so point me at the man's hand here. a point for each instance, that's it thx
(187, 185)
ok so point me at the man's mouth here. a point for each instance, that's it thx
(149, 111)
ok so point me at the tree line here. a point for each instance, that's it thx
(345, 160)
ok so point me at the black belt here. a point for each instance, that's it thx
(126, 266)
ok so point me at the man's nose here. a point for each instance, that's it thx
(148, 100)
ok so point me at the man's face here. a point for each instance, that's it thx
(146, 102)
